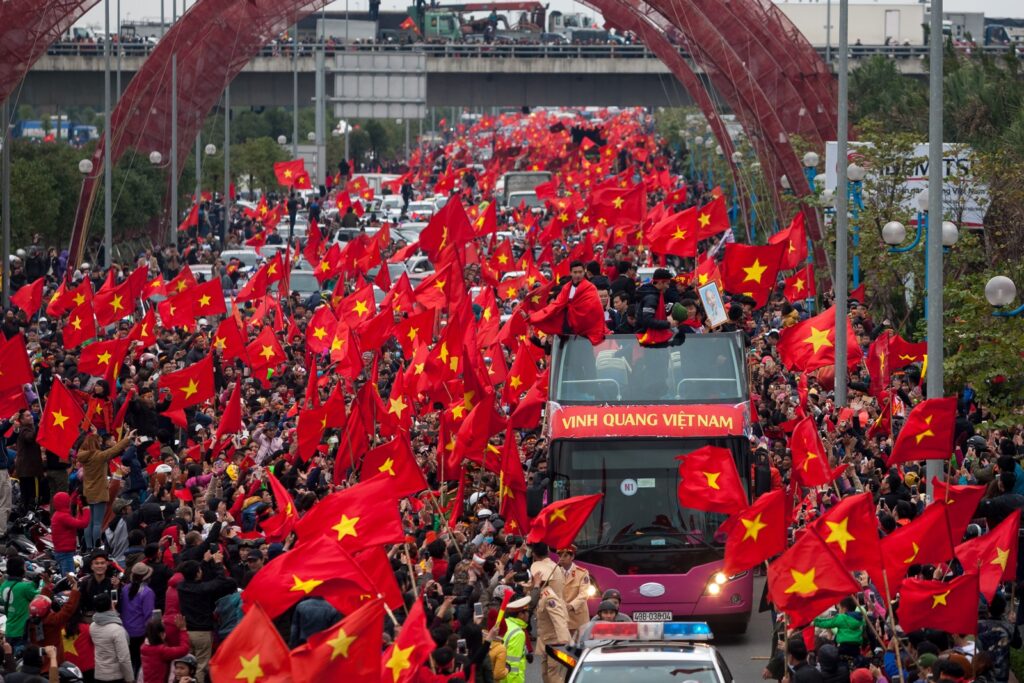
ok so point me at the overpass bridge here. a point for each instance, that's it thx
(456, 74)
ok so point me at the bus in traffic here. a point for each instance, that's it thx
(619, 414)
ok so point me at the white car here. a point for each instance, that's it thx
(646, 651)
(421, 211)
(247, 257)
(391, 207)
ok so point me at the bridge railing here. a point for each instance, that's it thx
(509, 51)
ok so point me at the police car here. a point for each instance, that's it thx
(645, 652)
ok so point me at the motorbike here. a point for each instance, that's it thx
(29, 535)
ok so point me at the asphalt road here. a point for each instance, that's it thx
(739, 651)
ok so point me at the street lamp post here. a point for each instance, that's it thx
(841, 281)
(108, 179)
(173, 239)
(1001, 291)
(226, 199)
(5, 181)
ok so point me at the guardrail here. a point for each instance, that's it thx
(511, 51)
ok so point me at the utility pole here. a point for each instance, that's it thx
(841, 284)
(108, 180)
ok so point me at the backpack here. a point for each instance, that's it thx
(499, 665)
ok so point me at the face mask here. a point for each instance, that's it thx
(488, 539)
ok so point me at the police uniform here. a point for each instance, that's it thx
(515, 643)
(552, 629)
(577, 581)
(551, 574)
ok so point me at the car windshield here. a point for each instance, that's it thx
(647, 672)
(304, 282)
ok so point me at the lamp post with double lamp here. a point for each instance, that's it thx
(1001, 292)
(856, 173)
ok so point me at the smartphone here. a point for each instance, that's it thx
(158, 613)
(478, 609)
(460, 646)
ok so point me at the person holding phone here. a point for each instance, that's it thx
(93, 455)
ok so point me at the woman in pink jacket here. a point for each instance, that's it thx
(166, 640)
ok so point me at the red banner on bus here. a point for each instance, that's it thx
(588, 422)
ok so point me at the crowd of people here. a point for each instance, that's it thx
(162, 516)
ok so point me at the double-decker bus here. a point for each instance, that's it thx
(619, 414)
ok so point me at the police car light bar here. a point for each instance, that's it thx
(651, 630)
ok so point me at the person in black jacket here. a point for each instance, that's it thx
(197, 596)
(796, 659)
(626, 281)
(144, 412)
(651, 296)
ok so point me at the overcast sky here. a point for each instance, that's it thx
(150, 9)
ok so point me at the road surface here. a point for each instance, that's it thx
(738, 651)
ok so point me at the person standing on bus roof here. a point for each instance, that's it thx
(577, 586)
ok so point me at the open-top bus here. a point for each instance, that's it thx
(619, 414)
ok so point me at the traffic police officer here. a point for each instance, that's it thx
(552, 617)
(515, 640)
(545, 571)
(577, 587)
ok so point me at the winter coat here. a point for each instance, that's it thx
(849, 627)
(94, 471)
(198, 598)
(135, 612)
(53, 625)
(157, 659)
(65, 526)
(29, 462)
(311, 615)
(110, 640)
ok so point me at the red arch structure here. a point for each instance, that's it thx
(27, 28)
(212, 42)
(755, 59)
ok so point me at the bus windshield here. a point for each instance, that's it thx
(640, 511)
(707, 368)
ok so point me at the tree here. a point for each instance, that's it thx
(880, 92)
(252, 162)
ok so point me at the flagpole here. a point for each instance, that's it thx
(840, 283)
(892, 619)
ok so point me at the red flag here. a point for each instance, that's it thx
(103, 358)
(993, 555)
(857, 293)
(349, 650)
(228, 339)
(617, 206)
(675, 234)
(947, 606)
(80, 327)
(709, 481)
(359, 517)
(713, 218)
(800, 285)
(927, 433)
(29, 297)
(113, 303)
(751, 270)
(207, 299)
(191, 385)
(16, 369)
(794, 238)
(395, 459)
(878, 365)
(287, 172)
(850, 530)
(756, 534)
(807, 579)
(810, 344)
(904, 353)
(265, 350)
(191, 220)
(558, 523)
(231, 418)
(582, 314)
(810, 459)
(448, 227)
(328, 572)
(60, 424)
(402, 660)
(320, 330)
(512, 487)
(253, 652)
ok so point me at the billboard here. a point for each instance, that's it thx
(964, 200)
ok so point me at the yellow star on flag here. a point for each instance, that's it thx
(753, 527)
(940, 599)
(712, 478)
(807, 461)
(191, 389)
(618, 202)
(1001, 558)
(838, 533)
(398, 661)
(502, 259)
(754, 271)
(220, 343)
(803, 582)
(818, 338)
(267, 352)
(388, 466)
(319, 333)
(307, 586)
(799, 285)
(59, 419)
(250, 671)
(103, 358)
(913, 555)
(704, 219)
(116, 303)
(926, 432)
(77, 323)
(287, 173)
(515, 382)
(557, 513)
(397, 406)
(340, 643)
(79, 299)
(204, 300)
(360, 308)
(346, 527)
(679, 234)
(69, 645)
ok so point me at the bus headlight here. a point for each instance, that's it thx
(714, 589)
(591, 590)
(718, 580)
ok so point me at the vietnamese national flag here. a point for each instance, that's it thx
(320, 330)
(191, 385)
(961, 504)
(207, 299)
(80, 326)
(947, 606)
(810, 459)
(927, 433)
(253, 652)
(265, 350)
(712, 219)
(377, 565)
(709, 481)
(402, 661)
(810, 344)
(903, 353)
(756, 534)
(326, 570)
(103, 358)
(29, 297)
(113, 303)
(878, 365)
(794, 238)
(675, 234)
(358, 517)
(582, 314)
(447, 228)
(993, 555)
(615, 206)
(60, 424)
(751, 270)
(808, 579)
(191, 220)
(558, 523)
(800, 285)
(512, 487)
(228, 339)
(850, 530)
(395, 459)
(287, 172)
(309, 430)
(346, 651)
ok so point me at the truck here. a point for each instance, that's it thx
(73, 133)
(450, 22)
(873, 24)
(519, 181)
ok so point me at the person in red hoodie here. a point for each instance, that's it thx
(65, 527)
(166, 640)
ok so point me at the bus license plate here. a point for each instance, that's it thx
(652, 616)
